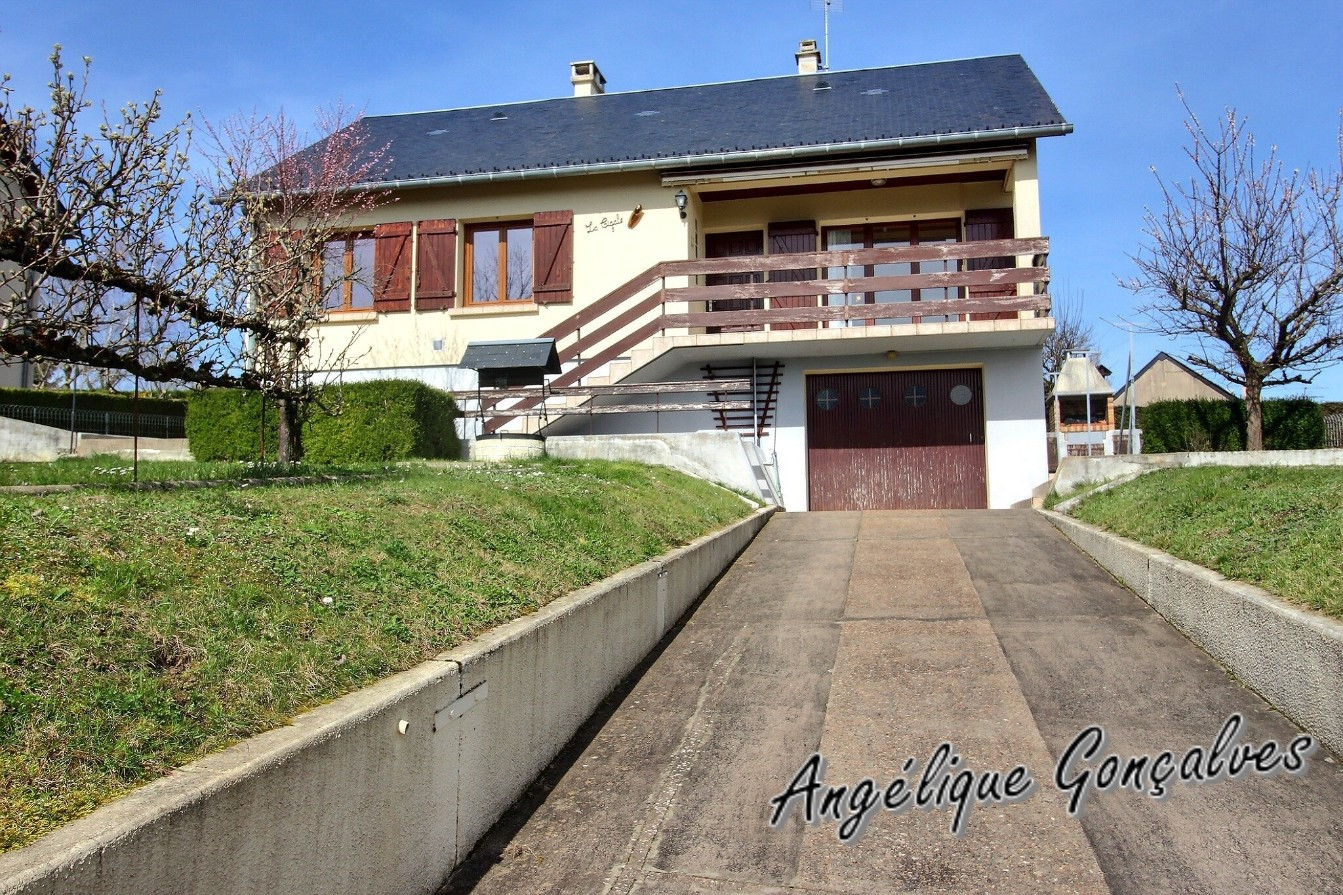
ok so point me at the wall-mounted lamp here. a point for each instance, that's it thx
(682, 200)
(636, 216)
(892, 354)
(878, 181)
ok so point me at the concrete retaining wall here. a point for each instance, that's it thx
(1291, 657)
(713, 455)
(387, 789)
(24, 441)
(1074, 471)
(124, 446)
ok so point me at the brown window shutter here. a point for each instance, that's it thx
(391, 267)
(553, 261)
(281, 272)
(984, 225)
(786, 238)
(981, 226)
(437, 265)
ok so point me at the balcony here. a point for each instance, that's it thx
(894, 286)
(935, 297)
(980, 288)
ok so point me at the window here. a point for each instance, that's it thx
(499, 262)
(347, 273)
(869, 236)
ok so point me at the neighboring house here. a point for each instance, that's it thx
(865, 245)
(14, 373)
(1165, 378)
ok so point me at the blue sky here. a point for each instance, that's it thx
(1111, 67)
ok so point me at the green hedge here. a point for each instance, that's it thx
(1289, 424)
(373, 421)
(389, 419)
(225, 424)
(117, 402)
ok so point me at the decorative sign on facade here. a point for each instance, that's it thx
(606, 223)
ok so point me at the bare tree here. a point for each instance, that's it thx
(1071, 332)
(1247, 259)
(282, 201)
(116, 255)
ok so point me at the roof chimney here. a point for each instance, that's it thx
(808, 58)
(586, 78)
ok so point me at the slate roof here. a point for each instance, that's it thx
(957, 102)
(511, 362)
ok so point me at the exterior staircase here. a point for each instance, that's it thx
(605, 342)
(763, 395)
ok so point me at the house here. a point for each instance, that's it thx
(1166, 378)
(14, 372)
(859, 252)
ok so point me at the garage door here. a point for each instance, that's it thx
(901, 440)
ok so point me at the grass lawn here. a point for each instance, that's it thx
(140, 630)
(1280, 529)
(110, 469)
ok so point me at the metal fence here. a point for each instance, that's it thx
(99, 422)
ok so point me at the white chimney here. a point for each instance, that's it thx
(808, 58)
(586, 78)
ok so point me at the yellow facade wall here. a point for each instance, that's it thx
(607, 252)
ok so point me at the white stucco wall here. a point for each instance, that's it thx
(1013, 407)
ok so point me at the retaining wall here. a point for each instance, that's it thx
(1074, 471)
(384, 790)
(717, 456)
(88, 445)
(1292, 657)
(21, 440)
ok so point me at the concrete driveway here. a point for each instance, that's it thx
(873, 638)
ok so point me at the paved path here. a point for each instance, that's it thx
(873, 637)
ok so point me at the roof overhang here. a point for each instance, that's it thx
(995, 159)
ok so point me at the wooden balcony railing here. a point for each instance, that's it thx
(982, 278)
(986, 280)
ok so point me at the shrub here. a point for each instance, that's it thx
(225, 424)
(387, 419)
(371, 422)
(116, 402)
(1205, 425)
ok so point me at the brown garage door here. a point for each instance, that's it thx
(904, 440)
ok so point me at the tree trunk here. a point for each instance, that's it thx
(1254, 415)
(290, 432)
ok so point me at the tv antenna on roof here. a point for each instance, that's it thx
(826, 6)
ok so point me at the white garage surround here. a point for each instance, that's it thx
(1013, 406)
